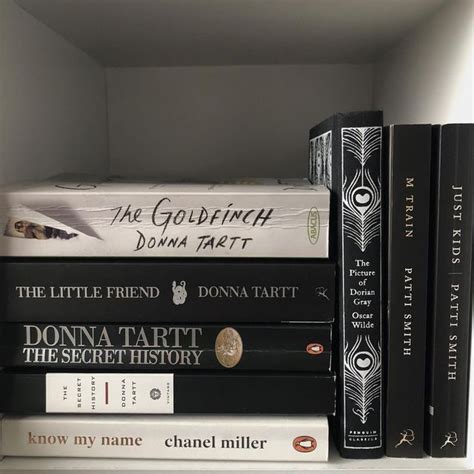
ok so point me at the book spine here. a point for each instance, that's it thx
(348, 159)
(187, 224)
(203, 290)
(165, 393)
(243, 438)
(138, 347)
(451, 285)
(407, 162)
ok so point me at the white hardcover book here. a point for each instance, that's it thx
(230, 438)
(253, 218)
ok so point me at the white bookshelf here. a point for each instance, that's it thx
(210, 89)
(336, 465)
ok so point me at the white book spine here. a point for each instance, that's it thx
(161, 221)
(231, 438)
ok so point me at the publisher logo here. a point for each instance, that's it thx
(322, 292)
(179, 293)
(406, 437)
(304, 444)
(450, 438)
(313, 226)
(155, 393)
(314, 348)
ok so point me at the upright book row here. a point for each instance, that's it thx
(219, 344)
(386, 256)
(404, 253)
(404, 228)
(429, 240)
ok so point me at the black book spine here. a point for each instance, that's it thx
(93, 392)
(345, 154)
(299, 347)
(151, 290)
(450, 301)
(407, 160)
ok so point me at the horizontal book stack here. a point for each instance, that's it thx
(198, 316)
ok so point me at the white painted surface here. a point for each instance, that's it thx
(216, 32)
(336, 465)
(52, 102)
(225, 122)
(429, 77)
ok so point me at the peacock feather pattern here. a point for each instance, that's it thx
(362, 142)
(361, 208)
(361, 196)
(363, 376)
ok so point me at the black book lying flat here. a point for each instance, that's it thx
(407, 209)
(168, 290)
(297, 347)
(450, 301)
(207, 392)
(345, 155)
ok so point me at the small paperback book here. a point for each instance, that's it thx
(407, 152)
(450, 297)
(183, 392)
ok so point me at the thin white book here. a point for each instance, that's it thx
(101, 218)
(216, 437)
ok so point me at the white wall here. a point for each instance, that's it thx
(52, 102)
(221, 122)
(429, 76)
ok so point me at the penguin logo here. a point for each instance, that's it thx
(304, 444)
(314, 348)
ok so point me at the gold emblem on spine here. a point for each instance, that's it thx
(229, 347)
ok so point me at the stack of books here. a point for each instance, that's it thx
(197, 314)
(205, 317)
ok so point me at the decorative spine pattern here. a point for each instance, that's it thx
(363, 375)
(361, 197)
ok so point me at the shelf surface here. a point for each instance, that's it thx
(335, 465)
(215, 32)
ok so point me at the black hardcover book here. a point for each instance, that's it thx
(450, 288)
(406, 173)
(151, 290)
(299, 347)
(345, 154)
(94, 392)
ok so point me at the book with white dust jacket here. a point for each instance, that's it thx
(229, 438)
(252, 218)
